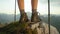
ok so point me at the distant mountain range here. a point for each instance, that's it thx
(55, 19)
(5, 18)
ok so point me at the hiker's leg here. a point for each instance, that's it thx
(34, 5)
(34, 17)
(23, 17)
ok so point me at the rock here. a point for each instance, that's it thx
(44, 29)
(30, 27)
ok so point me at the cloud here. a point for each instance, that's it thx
(43, 1)
(7, 6)
(54, 6)
(55, 0)
(52, 2)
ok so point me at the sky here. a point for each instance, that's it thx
(8, 6)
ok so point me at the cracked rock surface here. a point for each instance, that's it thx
(44, 29)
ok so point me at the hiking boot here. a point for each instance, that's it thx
(35, 17)
(23, 17)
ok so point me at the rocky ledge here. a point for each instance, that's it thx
(42, 28)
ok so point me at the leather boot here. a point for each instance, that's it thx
(23, 17)
(35, 17)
